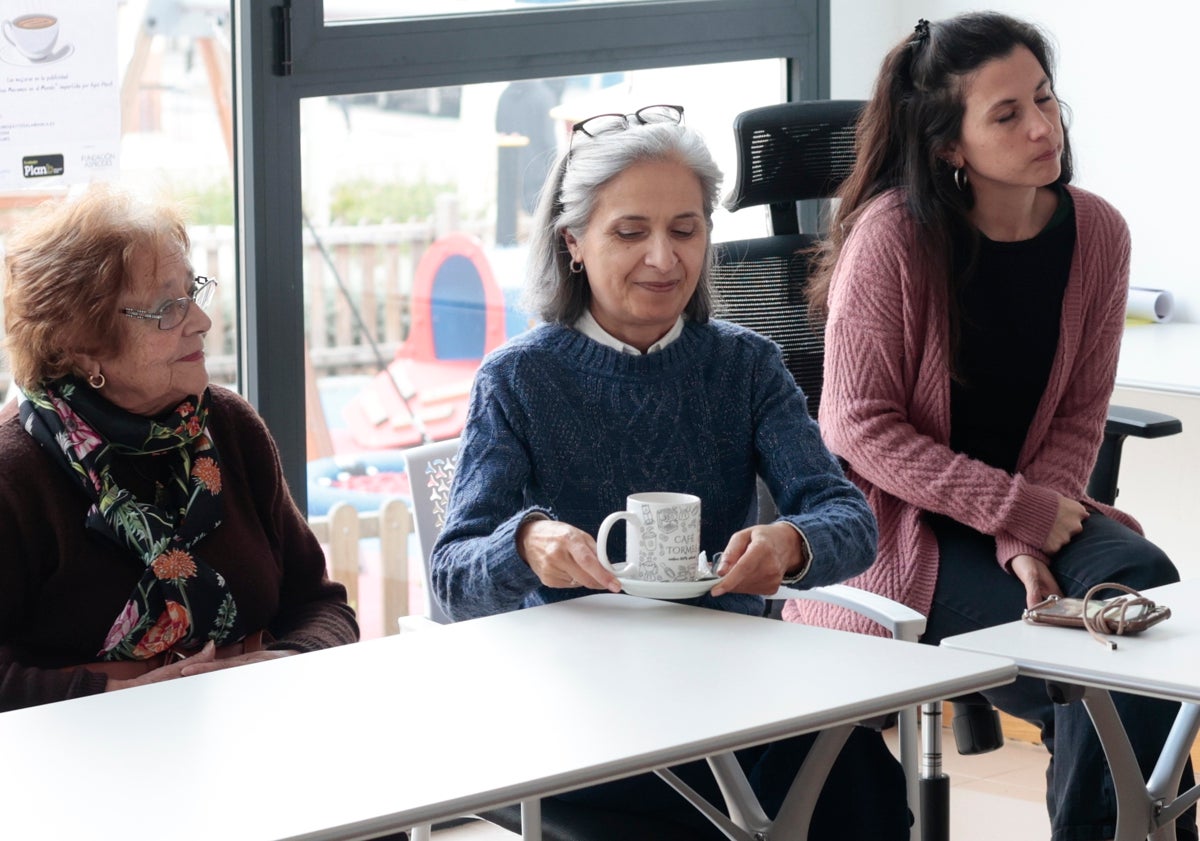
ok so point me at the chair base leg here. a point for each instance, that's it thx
(935, 808)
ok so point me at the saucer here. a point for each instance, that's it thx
(664, 589)
(11, 55)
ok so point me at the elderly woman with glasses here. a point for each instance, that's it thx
(630, 386)
(147, 532)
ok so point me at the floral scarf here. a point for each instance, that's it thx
(179, 600)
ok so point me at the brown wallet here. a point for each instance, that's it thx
(1123, 615)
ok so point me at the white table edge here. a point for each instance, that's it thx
(1002, 672)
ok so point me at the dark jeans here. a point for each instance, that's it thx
(863, 799)
(974, 592)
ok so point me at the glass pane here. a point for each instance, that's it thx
(345, 11)
(417, 208)
(161, 86)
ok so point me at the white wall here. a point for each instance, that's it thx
(1128, 71)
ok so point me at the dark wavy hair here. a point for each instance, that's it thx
(914, 115)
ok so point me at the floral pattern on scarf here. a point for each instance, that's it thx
(179, 600)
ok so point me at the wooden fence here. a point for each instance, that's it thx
(385, 579)
(358, 284)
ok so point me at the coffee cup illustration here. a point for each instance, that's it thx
(34, 35)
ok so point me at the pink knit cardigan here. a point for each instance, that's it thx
(886, 403)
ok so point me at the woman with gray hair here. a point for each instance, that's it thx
(630, 386)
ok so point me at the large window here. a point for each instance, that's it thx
(417, 209)
(388, 170)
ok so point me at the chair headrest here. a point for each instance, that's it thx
(793, 151)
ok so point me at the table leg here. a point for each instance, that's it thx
(531, 819)
(796, 812)
(1164, 782)
(732, 831)
(749, 822)
(908, 731)
(1136, 811)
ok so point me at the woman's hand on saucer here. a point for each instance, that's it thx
(757, 558)
(563, 556)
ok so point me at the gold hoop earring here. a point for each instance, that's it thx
(96, 380)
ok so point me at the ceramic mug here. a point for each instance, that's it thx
(662, 538)
(33, 34)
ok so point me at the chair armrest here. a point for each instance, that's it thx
(408, 624)
(902, 621)
(1140, 423)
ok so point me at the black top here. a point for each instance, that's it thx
(1011, 311)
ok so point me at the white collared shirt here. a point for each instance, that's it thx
(588, 326)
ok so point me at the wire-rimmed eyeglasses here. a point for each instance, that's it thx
(171, 314)
(608, 123)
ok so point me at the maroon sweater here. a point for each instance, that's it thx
(886, 404)
(61, 585)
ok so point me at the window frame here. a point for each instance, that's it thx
(285, 52)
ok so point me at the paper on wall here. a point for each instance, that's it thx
(60, 106)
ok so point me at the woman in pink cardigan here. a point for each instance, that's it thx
(974, 307)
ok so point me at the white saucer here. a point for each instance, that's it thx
(664, 589)
(11, 55)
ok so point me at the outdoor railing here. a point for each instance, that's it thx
(358, 283)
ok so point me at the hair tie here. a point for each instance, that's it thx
(921, 31)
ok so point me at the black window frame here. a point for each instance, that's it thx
(285, 52)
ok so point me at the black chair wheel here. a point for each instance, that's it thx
(977, 728)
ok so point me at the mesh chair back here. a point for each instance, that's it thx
(787, 154)
(760, 284)
(792, 152)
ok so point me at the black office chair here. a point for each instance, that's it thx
(791, 159)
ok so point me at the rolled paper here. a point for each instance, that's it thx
(1149, 305)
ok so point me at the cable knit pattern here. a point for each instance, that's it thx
(562, 425)
(886, 404)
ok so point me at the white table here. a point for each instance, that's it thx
(1161, 662)
(358, 741)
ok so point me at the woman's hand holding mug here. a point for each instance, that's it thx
(563, 556)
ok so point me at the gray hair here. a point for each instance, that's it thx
(568, 200)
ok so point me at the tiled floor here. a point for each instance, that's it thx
(999, 795)
(993, 796)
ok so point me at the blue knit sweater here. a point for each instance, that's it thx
(563, 425)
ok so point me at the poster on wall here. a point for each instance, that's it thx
(60, 106)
